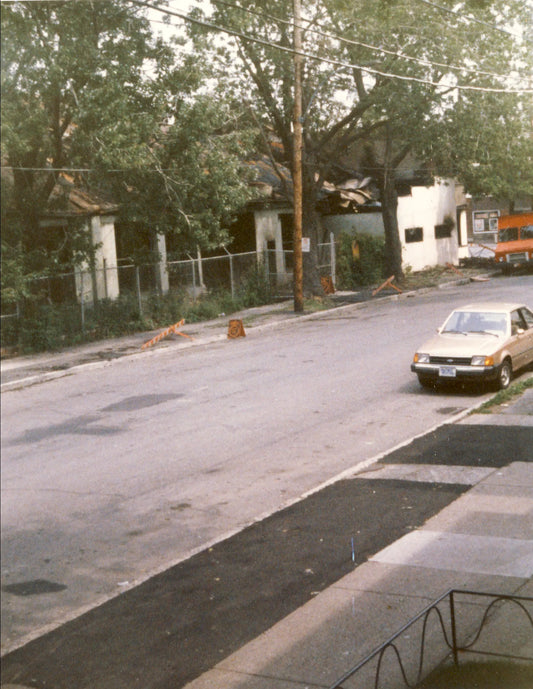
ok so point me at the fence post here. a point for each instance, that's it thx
(104, 267)
(138, 287)
(82, 303)
(193, 278)
(231, 273)
(333, 257)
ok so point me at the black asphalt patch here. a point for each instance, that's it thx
(179, 624)
(468, 445)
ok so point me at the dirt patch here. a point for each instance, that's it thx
(481, 675)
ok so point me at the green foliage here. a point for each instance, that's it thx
(255, 289)
(411, 56)
(485, 141)
(195, 181)
(360, 260)
(88, 86)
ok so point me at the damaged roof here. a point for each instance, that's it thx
(70, 199)
(274, 182)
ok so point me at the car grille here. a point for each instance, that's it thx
(521, 257)
(451, 360)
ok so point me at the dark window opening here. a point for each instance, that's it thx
(414, 234)
(443, 231)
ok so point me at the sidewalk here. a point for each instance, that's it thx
(481, 542)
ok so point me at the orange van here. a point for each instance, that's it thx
(515, 240)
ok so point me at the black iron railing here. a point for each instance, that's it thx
(449, 636)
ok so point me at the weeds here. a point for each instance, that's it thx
(360, 261)
(50, 327)
(505, 396)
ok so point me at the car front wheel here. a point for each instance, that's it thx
(426, 382)
(504, 375)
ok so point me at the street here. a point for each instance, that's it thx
(114, 474)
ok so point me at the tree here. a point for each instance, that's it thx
(493, 147)
(86, 86)
(381, 74)
(71, 80)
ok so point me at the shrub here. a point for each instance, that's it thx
(255, 289)
(360, 260)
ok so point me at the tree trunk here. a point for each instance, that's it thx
(311, 228)
(389, 209)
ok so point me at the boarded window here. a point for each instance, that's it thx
(414, 234)
(443, 231)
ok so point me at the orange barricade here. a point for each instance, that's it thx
(236, 329)
(171, 330)
(387, 283)
(327, 284)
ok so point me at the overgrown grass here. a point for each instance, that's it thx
(505, 396)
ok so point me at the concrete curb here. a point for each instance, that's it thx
(172, 347)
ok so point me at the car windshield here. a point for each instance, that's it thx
(508, 234)
(476, 322)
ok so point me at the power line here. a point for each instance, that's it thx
(333, 62)
(374, 48)
(470, 19)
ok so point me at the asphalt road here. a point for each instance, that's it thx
(175, 626)
(115, 474)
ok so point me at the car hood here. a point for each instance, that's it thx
(462, 345)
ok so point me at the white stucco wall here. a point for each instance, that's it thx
(268, 229)
(103, 236)
(426, 207)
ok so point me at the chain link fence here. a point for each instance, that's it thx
(78, 300)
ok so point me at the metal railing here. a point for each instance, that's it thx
(449, 637)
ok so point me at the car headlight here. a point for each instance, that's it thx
(482, 361)
(421, 358)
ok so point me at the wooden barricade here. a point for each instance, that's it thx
(171, 330)
(387, 283)
(327, 284)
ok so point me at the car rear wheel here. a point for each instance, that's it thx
(504, 375)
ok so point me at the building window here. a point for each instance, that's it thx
(443, 231)
(414, 234)
(485, 221)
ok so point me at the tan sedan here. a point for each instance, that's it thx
(479, 342)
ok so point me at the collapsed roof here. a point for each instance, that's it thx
(70, 199)
(353, 194)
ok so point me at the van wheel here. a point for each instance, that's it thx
(504, 376)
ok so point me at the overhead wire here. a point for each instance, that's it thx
(333, 62)
(361, 44)
(469, 18)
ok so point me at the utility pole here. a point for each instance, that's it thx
(297, 161)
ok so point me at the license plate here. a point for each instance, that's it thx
(447, 371)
